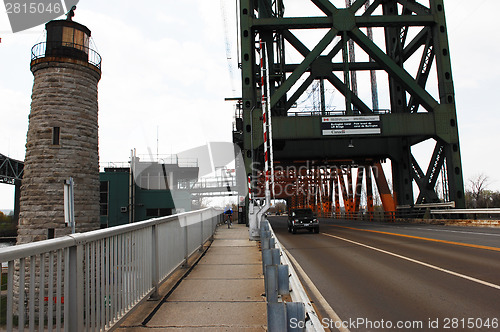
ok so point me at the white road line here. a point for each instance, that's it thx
(322, 302)
(482, 282)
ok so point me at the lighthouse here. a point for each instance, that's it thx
(62, 139)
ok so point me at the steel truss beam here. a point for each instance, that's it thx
(414, 115)
(11, 170)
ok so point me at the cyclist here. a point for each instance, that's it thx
(229, 217)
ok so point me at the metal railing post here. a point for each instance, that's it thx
(276, 316)
(10, 295)
(283, 280)
(155, 263)
(296, 312)
(201, 226)
(213, 221)
(75, 290)
(186, 244)
(271, 283)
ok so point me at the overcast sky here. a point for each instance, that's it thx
(165, 71)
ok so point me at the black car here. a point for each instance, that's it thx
(302, 219)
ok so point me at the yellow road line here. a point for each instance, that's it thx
(422, 238)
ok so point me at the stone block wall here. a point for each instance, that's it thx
(64, 96)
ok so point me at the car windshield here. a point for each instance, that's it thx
(303, 213)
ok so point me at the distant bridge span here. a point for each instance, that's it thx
(11, 172)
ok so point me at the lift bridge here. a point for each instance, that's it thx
(316, 153)
(11, 172)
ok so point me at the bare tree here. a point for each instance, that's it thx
(280, 207)
(478, 185)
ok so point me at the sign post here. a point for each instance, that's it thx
(69, 204)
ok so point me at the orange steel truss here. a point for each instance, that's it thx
(322, 188)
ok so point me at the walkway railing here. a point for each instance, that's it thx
(90, 281)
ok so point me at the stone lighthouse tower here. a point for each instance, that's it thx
(62, 140)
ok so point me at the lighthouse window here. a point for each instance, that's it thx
(75, 38)
(56, 133)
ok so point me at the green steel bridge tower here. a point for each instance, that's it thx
(410, 51)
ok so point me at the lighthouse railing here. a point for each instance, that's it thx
(91, 281)
(66, 49)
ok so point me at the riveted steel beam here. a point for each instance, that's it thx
(302, 68)
(399, 73)
(326, 22)
(357, 5)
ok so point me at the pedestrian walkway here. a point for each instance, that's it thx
(223, 292)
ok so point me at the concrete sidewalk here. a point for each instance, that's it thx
(223, 292)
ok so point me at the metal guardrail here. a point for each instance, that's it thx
(427, 205)
(418, 213)
(168, 159)
(372, 216)
(66, 49)
(467, 211)
(90, 281)
(214, 182)
(282, 280)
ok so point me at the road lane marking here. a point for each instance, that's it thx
(322, 301)
(447, 230)
(422, 238)
(482, 282)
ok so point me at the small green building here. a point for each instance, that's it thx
(146, 190)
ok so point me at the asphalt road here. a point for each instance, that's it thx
(401, 277)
